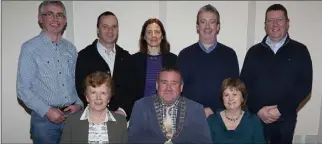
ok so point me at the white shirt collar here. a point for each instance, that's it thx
(100, 47)
(277, 45)
(108, 117)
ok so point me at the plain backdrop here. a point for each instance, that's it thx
(242, 25)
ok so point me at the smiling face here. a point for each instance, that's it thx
(232, 98)
(208, 27)
(169, 86)
(276, 25)
(98, 97)
(108, 29)
(52, 19)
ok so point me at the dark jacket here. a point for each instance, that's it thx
(89, 60)
(133, 83)
(144, 126)
(283, 79)
(76, 130)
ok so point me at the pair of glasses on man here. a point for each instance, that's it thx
(52, 15)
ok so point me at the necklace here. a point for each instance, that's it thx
(233, 119)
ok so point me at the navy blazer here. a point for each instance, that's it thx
(144, 126)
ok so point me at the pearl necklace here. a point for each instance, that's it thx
(233, 119)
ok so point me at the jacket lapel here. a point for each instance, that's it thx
(98, 57)
(118, 58)
(82, 131)
(113, 132)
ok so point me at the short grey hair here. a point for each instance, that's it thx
(208, 8)
(45, 3)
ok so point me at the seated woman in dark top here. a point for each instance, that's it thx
(232, 124)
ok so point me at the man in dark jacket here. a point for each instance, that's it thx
(168, 117)
(103, 55)
(278, 75)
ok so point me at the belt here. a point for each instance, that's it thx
(63, 107)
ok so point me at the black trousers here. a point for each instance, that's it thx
(280, 132)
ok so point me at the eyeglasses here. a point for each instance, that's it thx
(51, 15)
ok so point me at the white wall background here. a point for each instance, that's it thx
(242, 26)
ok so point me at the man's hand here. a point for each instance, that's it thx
(120, 112)
(72, 108)
(208, 111)
(275, 112)
(55, 115)
(264, 114)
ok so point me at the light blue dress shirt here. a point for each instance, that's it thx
(46, 74)
(277, 46)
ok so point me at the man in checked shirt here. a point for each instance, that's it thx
(45, 76)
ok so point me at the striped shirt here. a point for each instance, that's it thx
(153, 67)
(46, 74)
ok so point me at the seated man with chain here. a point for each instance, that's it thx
(168, 117)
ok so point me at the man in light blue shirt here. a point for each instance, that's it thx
(45, 76)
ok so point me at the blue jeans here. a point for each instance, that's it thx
(44, 131)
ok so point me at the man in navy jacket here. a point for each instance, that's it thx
(168, 117)
(278, 75)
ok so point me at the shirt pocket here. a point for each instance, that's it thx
(69, 63)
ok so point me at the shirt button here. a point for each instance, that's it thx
(62, 84)
(65, 97)
(59, 72)
(57, 60)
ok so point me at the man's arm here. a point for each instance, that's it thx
(303, 85)
(203, 133)
(136, 126)
(79, 101)
(80, 74)
(234, 66)
(122, 100)
(26, 74)
(247, 75)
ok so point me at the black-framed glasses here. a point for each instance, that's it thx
(52, 15)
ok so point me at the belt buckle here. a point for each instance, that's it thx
(62, 108)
